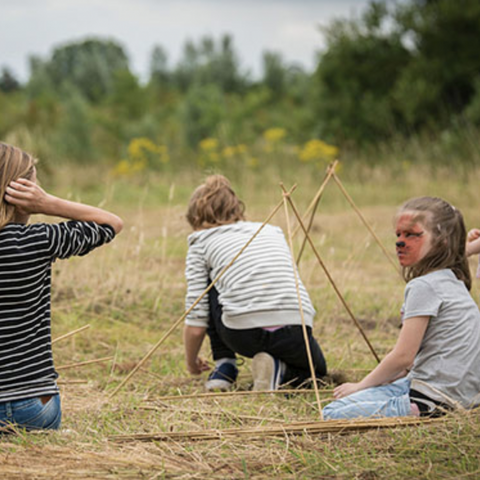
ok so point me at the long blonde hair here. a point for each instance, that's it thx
(449, 237)
(214, 203)
(14, 163)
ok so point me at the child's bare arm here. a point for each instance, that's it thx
(396, 362)
(473, 242)
(29, 198)
(193, 339)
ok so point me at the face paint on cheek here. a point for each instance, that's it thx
(413, 240)
(416, 248)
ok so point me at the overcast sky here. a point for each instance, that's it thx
(286, 26)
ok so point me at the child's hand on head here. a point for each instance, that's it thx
(473, 241)
(26, 195)
(473, 234)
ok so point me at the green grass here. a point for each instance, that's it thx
(133, 290)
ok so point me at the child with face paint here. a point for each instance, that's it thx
(435, 364)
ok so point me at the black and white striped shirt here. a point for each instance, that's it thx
(258, 290)
(26, 256)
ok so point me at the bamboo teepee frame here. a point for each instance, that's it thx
(330, 173)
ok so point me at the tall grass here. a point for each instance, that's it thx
(131, 291)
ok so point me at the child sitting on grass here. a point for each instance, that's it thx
(435, 364)
(253, 310)
(29, 395)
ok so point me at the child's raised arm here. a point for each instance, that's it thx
(473, 242)
(29, 198)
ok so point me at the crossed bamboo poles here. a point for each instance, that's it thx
(311, 210)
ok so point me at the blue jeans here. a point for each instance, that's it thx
(392, 400)
(32, 413)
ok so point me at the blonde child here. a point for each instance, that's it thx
(253, 309)
(29, 395)
(435, 364)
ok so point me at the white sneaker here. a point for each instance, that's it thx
(267, 372)
(222, 378)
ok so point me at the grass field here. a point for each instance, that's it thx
(132, 291)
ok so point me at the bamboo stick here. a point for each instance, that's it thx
(300, 306)
(313, 207)
(242, 393)
(327, 273)
(177, 322)
(312, 428)
(363, 219)
(317, 196)
(82, 364)
(67, 335)
(71, 382)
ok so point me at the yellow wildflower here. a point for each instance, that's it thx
(122, 168)
(139, 146)
(317, 150)
(274, 135)
(229, 152)
(208, 144)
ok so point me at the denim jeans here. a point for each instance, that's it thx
(392, 400)
(32, 413)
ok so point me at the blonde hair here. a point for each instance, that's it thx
(14, 163)
(214, 203)
(449, 236)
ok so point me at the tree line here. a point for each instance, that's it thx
(401, 69)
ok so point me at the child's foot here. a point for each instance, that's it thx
(267, 372)
(222, 378)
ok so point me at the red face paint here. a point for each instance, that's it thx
(413, 240)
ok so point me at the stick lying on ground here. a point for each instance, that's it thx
(67, 335)
(298, 428)
(82, 364)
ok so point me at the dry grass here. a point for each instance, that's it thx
(132, 291)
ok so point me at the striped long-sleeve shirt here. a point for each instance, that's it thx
(26, 256)
(258, 290)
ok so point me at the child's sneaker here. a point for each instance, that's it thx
(222, 378)
(267, 372)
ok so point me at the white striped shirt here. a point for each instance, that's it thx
(258, 290)
(26, 256)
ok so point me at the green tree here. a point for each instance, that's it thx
(274, 72)
(159, 71)
(444, 67)
(90, 65)
(403, 66)
(210, 63)
(355, 77)
(201, 112)
(8, 82)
